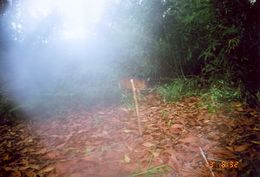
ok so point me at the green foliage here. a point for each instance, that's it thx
(127, 100)
(213, 97)
(170, 92)
(178, 89)
(222, 34)
(219, 95)
(216, 54)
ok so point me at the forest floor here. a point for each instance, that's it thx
(178, 138)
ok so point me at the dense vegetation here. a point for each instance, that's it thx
(210, 39)
(206, 47)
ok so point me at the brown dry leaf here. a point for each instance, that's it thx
(191, 140)
(177, 126)
(9, 144)
(12, 133)
(127, 131)
(176, 131)
(148, 144)
(8, 169)
(29, 140)
(239, 109)
(46, 169)
(156, 154)
(52, 155)
(6, 157)
(237, 104)
(33, 166)
(224, 152)
(24, 162)
(253, 113)
(40, 152)
(256, 142)
(16, 174)
(247, 122)
(30, 173)
(231, 149)
(126, 159)
(241, 148)
(129, 147)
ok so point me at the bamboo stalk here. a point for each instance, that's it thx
(136, 107)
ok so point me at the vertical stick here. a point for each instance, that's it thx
(136, 106)
(206, 160)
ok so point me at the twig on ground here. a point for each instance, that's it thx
(205, 159)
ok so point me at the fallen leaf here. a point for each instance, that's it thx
(88, 150)
(24, 162)
(241, 148)
(156, 154)
(126, 159)
(176, 131)
(33, 166)
(42, 151)
(12, 133)
(239, 109)
(8, 169)
(256, 142)
(6, 157)
(177, 126)
(148, 144)
(46, 170)
(129, 147)
(191, 140)
(25, 150)
(127, 131)
(30, 174)
(237, 104)
(253, 113)
(9, 145)
(16, 174)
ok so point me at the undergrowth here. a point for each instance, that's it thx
(218, 95)
(127, 100)
(214, 96)
(179, 88)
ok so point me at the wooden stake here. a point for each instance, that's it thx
(136, 107)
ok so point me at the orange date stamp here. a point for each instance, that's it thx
(224, 164)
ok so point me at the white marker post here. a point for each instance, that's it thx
(136, 107)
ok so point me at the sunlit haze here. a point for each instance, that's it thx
(59, 48)
(78, 18)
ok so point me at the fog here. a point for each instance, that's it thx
(60, 53)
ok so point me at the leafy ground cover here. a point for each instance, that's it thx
(104, 142)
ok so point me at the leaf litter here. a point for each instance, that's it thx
(104, 142)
